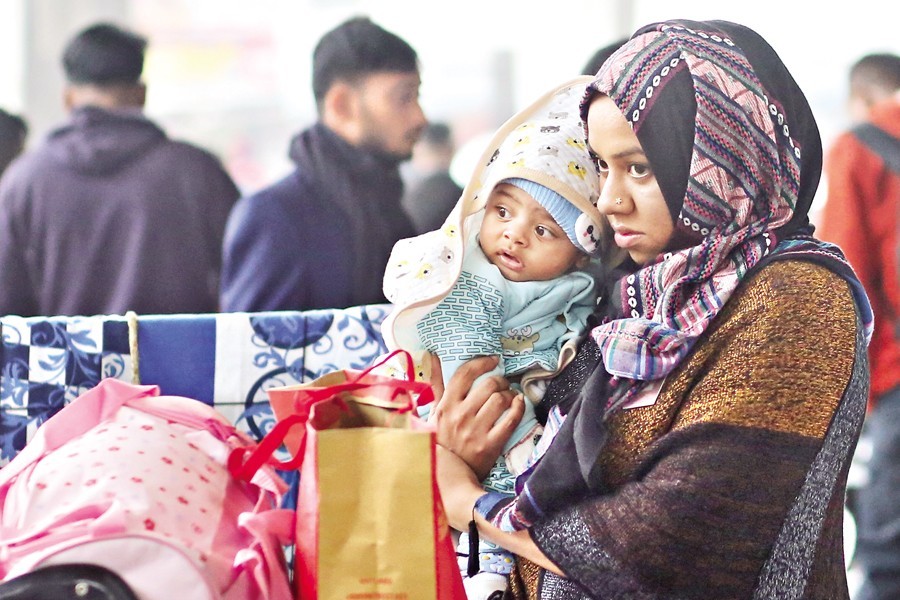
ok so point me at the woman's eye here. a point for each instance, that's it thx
(639, 171)
(602, 167)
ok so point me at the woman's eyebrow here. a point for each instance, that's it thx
(628, 152)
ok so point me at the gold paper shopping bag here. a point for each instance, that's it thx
(369, 519)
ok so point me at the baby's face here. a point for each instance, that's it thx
(520, 238)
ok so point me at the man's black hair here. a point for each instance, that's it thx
(104, 54)
(355, 48)
(599, 57)
(12, 125)
(879, 70)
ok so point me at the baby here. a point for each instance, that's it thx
(505, 276)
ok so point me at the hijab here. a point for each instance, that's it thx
(731, 191)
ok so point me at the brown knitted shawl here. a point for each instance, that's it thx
(731, 485)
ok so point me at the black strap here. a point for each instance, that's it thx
(881, 143)
(67, 581)
(474, 564)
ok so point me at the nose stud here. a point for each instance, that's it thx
(618, 202)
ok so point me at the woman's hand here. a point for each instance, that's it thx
(472, 430)
(475, 422)
(458, 486)
(460, 490)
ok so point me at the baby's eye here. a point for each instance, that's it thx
(639, 170)
(502, 212)
(544, 232)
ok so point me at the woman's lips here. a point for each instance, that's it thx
(625, 238)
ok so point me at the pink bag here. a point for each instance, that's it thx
(137, 483)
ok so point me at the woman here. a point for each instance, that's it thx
(708, 419)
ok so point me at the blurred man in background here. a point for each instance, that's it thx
(432, 192)
(862, 215)
(321, 237)
(599, 57)
(13, 132)
(108, 214)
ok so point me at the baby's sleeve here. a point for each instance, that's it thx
(466, 324)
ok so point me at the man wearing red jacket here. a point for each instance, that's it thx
(862, 215)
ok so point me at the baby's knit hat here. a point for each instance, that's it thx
(563, 212)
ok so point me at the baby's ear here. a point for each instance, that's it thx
(583, 261)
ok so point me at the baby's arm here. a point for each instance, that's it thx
(467, 323)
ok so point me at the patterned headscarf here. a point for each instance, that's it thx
(746, 181)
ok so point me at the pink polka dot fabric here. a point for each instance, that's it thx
(123, 475)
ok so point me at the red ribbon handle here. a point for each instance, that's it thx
(243, 470)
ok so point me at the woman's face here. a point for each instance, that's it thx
(630, 196)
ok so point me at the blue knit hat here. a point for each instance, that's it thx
(563, 212)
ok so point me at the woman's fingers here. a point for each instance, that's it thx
(477, 432)
(502, 411)
(475, 420)
(466, 414)
(511, 409)
(496, 404)
(460, 402)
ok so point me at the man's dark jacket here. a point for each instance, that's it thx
(320, 237)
